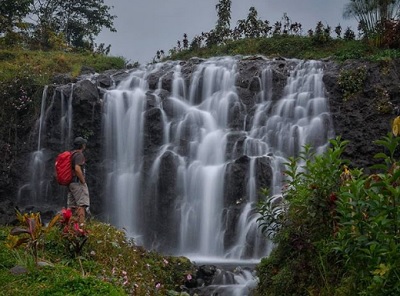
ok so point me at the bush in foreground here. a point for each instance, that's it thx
(336, 230)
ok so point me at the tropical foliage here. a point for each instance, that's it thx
(369, 224)
(336, 230)
(109, 263)
(305, 220)
(376, 18)
(30, 232)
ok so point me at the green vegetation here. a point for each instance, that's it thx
(43, 65)
(378, 20)
(108, 264)
(30, 232)
(293, 46)
(351, 81)
(378, 38)
(253, 36)
(336, 231)
(54, 24)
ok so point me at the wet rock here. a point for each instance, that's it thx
(206, 273)
(104, 81)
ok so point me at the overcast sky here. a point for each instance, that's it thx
(145, 26)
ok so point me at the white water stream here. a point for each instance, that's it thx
(195, 128)
(37, 191)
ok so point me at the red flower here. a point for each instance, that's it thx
(67, 214)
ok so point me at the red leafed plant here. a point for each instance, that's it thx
(73, 232)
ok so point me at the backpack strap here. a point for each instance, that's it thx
(72, 160)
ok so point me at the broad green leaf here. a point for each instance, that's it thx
(380, 155)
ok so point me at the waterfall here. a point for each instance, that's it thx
(38, 188)
(172, 156)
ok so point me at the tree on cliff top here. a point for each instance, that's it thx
(222, 28)
(78, 21)
(12, 13)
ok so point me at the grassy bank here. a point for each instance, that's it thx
(109, 264)
(45, 64)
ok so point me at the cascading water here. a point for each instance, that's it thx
(37, 191)
(171, 156)
(33, 190)
(66, 118)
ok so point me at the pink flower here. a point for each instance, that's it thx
(78, 229)
(158, 285)
(189, 277)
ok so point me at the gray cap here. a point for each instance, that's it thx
(80, 141)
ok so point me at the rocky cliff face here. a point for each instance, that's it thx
(365, 116)
(360, 116)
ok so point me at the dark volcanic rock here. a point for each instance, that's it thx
(361, 118)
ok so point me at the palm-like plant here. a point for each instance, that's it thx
(372, 14)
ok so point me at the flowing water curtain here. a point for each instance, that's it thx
(172, 155)
(66, 116)
(37, 189)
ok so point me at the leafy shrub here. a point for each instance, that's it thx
(351, 81)
(369, 219)
(304, 226)
(344, 244)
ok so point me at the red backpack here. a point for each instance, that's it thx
(63, 166)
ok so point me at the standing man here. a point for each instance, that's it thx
(78, 192)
